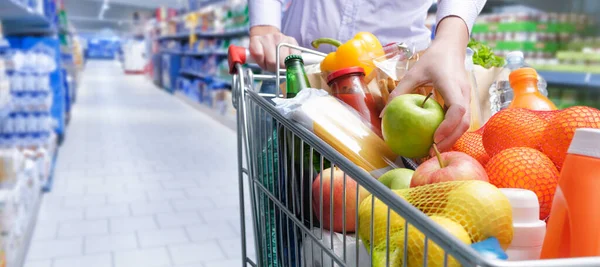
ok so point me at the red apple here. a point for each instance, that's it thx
(338, 200)
(448, 166)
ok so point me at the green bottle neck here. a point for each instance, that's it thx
(296, 78)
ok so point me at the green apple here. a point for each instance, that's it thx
(408, 124)
(397, 178)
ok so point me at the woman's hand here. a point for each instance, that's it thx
(443, 65)
(263, 46)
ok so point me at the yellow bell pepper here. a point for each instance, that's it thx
(357, 52)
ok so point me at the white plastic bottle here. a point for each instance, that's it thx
(529, 230)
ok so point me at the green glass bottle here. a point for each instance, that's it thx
(295, 76)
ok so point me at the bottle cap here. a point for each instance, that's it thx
(529, 230)
(515, 54)
(518, 75)
(585, 143)
(338, 73)
(293, 57)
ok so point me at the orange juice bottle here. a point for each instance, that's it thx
(526, 94)
(573, 228)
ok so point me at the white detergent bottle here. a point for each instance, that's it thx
(529, 229)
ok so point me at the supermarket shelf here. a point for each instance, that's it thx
(229, 122)
(204, 76)
(579, 79)
(19, 19)
(221, 53)
(570, 55)
(171, 51)
(24, 248)
(48, 186)
(202, 34)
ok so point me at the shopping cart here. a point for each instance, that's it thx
(278, 160)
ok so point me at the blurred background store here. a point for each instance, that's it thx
(117, 129)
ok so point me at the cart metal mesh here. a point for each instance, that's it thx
(278, 161)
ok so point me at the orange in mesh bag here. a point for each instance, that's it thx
(479, 207)
(526, 168)
(561, 128)
(513, 128)
(471, 144)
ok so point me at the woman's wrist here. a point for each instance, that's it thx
(263, 30)
(452, 33)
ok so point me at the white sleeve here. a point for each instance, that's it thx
(265, 12)
(467, 10)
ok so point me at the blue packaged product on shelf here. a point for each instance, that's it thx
(51, 46)
(195, 90)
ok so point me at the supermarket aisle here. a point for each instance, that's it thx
(141, 180)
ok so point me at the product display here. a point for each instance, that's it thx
(190, 50)
(538, 34)
(38, 78)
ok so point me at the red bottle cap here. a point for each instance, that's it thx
(338, 73)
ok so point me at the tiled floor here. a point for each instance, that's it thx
(141, 180)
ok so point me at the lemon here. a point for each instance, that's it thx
(435, 254)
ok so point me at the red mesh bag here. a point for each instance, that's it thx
(526, 148)
(513, 128)
(471, 144)
(561, 128)
(526, 168)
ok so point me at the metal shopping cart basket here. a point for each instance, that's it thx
(278, 160)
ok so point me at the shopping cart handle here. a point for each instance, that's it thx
(241, 55)
(238, 55)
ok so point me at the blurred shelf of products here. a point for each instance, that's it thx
(564, 47)
(40, 61)
(189, 51)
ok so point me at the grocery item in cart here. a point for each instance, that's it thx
(349, 246)
(529, 229)
(561, 129)
(296, 78)
(409, 122)
(348, 85)
(435, 254)
(573, 225)
(357, 52)
(341, 127)
(501, 91)
(526, 94)
(513, 128)
(330, 202)
(471, 143)
(526, 168)
(479, 207)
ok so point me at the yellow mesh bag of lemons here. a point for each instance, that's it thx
(471, 211)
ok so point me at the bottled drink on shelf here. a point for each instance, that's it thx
(296, 78)
(526, 94)
(501, 94)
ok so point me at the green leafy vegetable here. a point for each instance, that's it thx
(484, 56)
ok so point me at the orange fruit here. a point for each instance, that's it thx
(526, 168)
(471, 144)
(513, 128)
(560, 131)
(546, 115)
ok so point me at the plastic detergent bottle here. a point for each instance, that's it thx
(574, 224)
(529, 230)
(525, 92)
